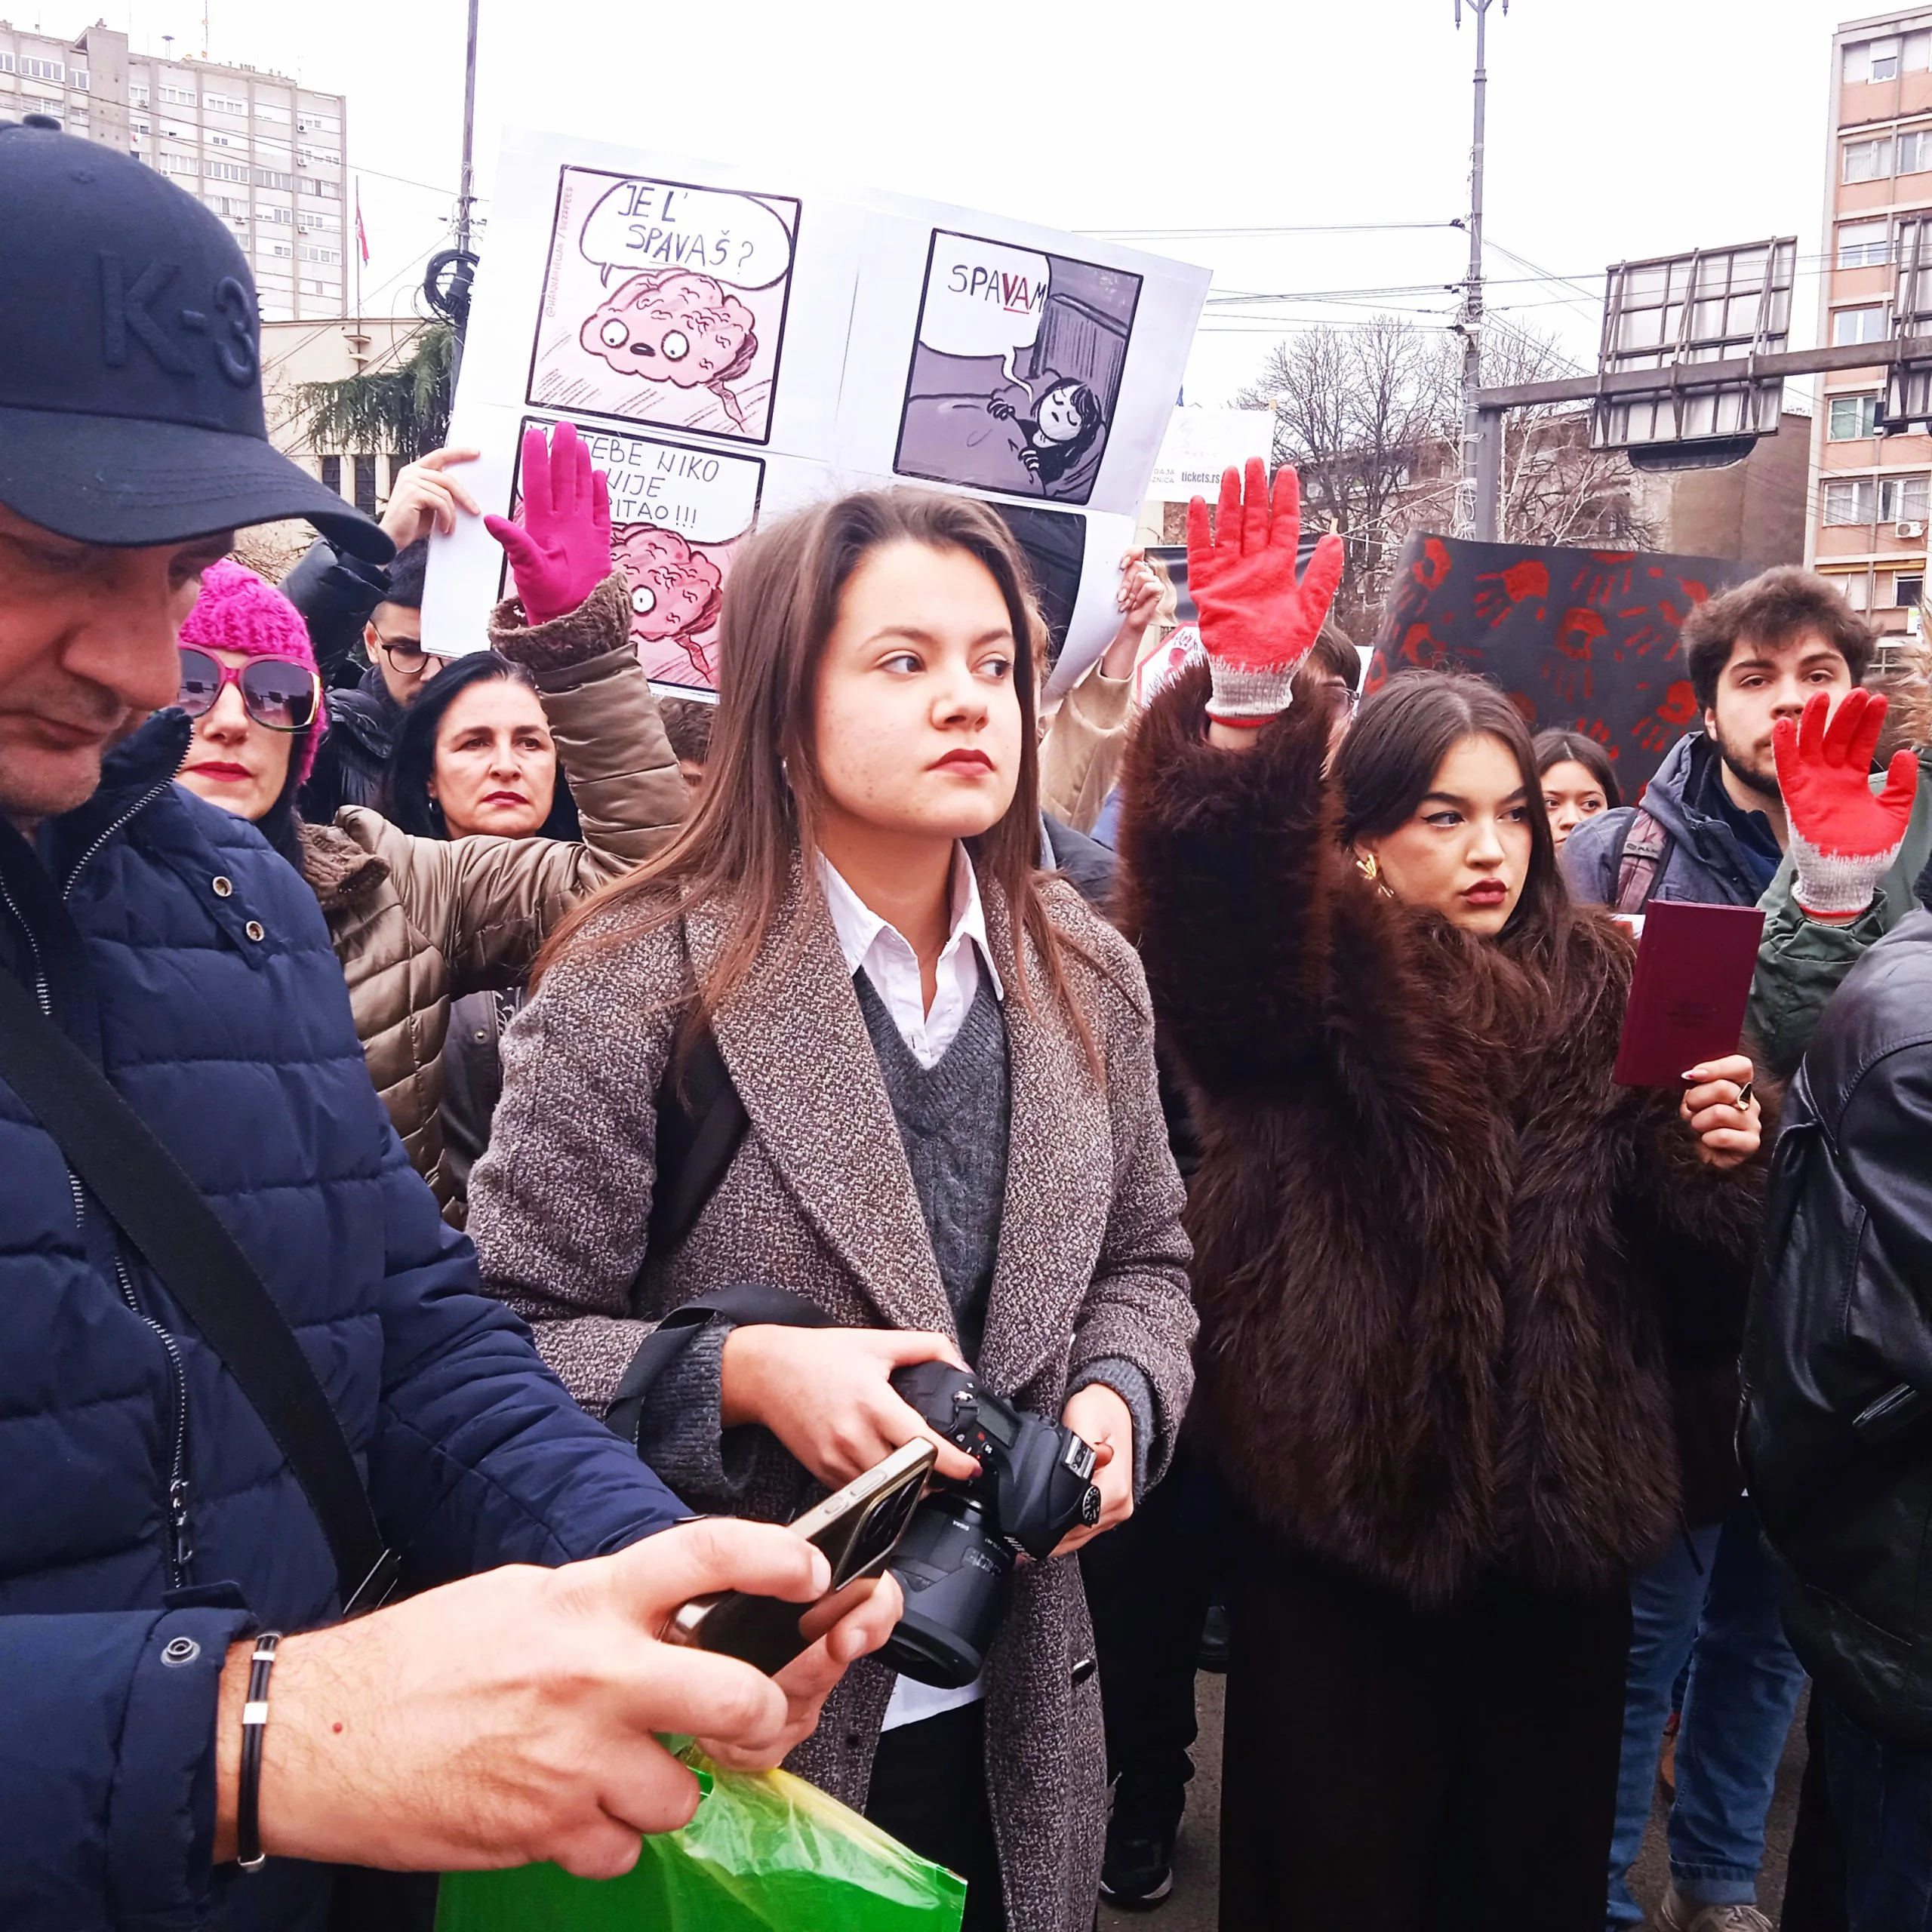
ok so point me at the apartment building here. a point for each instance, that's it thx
(264, 152)
(1874, 495)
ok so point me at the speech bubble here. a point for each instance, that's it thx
(707, 497)
(982, 298)
(642, 224)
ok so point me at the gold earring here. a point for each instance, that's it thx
(1369, 866)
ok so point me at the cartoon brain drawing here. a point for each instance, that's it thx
(674, 589)
(671, 325)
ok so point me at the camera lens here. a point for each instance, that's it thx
(954, 1576)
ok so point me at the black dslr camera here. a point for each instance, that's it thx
(955, 1562)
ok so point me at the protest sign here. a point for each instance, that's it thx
(734, 347)
(1583, 640)
(1202, 443)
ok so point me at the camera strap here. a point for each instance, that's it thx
(744, 1304)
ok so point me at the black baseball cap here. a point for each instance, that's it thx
(131, 371)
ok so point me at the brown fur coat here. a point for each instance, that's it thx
(1444, 1266)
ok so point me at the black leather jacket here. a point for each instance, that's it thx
(1837, 1435)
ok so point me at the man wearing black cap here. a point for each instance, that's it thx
(159, 1521)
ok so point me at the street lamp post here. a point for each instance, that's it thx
(1475, 515)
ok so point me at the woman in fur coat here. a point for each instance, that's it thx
(1444, 1265)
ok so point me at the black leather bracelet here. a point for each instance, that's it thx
(248, 1852)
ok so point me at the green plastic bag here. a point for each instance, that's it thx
(765, 1853)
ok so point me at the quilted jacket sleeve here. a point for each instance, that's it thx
(106, 1767)
(490, 902)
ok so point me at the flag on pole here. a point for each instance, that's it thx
(361, 236)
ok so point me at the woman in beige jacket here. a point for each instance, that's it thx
(419, 921)
(954, 1147)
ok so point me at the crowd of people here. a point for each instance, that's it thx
(480, 1140)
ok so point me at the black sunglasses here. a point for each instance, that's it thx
(277, 693)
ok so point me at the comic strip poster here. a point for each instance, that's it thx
(734, 346)
(664, 302)
(1016, 368)
(1582, 640)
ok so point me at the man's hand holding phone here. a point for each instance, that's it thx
(510, 1718)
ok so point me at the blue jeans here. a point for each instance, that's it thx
(1719, 1611)
(1881, 1797)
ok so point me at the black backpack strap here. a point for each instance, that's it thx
(144, 1188)
(700, 1122)
(743, 1304)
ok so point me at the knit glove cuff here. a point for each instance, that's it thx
(1250, 694)
(1837, 885)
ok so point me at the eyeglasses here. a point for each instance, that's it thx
(277, 693)
(405, 654)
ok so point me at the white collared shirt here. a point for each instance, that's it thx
(892, 967)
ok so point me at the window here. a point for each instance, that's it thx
(1864, 160)
(137, 97)
(309, 122)
(6, 63)
(227, 204)
(309, 156)
(175, 132)
(279, 215)
(1856, 591)
(1855, 325)
(1864, 244)
(77, 79)
(224, 170)
(140, 127)
(320, 224)
(332, 474)
(1853, 417)
(323, 191)
(215, 140)
(318, 288)
(179, 164)
(266, 110)
(365, 484)
(42, 70)
(273, 177)
(179, 97)
(1904, 498)
(224, 103)
(1882, 60)
(1853, 501)
(311, 251)
(1915, 150)
(279, 249)
(1908, 592)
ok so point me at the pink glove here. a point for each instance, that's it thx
(1843, 839)
(562, 552)
(1257, 623)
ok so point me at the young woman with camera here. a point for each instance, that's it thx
(956, 1149)
(1444, 1265)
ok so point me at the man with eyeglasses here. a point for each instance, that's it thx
(344, 601)
(193, 1734)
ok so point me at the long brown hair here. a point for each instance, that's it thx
(1390, 758)
(764, 793)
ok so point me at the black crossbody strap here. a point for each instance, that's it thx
(142, 1186)
(701, 1121)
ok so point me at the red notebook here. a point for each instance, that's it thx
(1694, 965)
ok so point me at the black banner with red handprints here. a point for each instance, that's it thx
(1585, 640)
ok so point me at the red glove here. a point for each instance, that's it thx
(1257, 623)
(562, 552)
(1843, 839)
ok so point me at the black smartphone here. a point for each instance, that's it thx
(857, 1528)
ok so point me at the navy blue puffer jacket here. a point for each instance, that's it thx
(150, 1519)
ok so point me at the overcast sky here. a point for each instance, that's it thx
(1618, 128)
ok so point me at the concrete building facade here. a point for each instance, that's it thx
(1872, 496)
(266, 154)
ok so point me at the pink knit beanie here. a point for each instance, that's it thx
(238, 611)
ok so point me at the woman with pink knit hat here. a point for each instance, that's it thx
(418, 922)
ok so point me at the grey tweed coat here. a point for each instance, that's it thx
(1092, 1263)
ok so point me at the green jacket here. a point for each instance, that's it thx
(1802, 960)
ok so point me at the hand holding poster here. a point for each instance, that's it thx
(732, 349)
